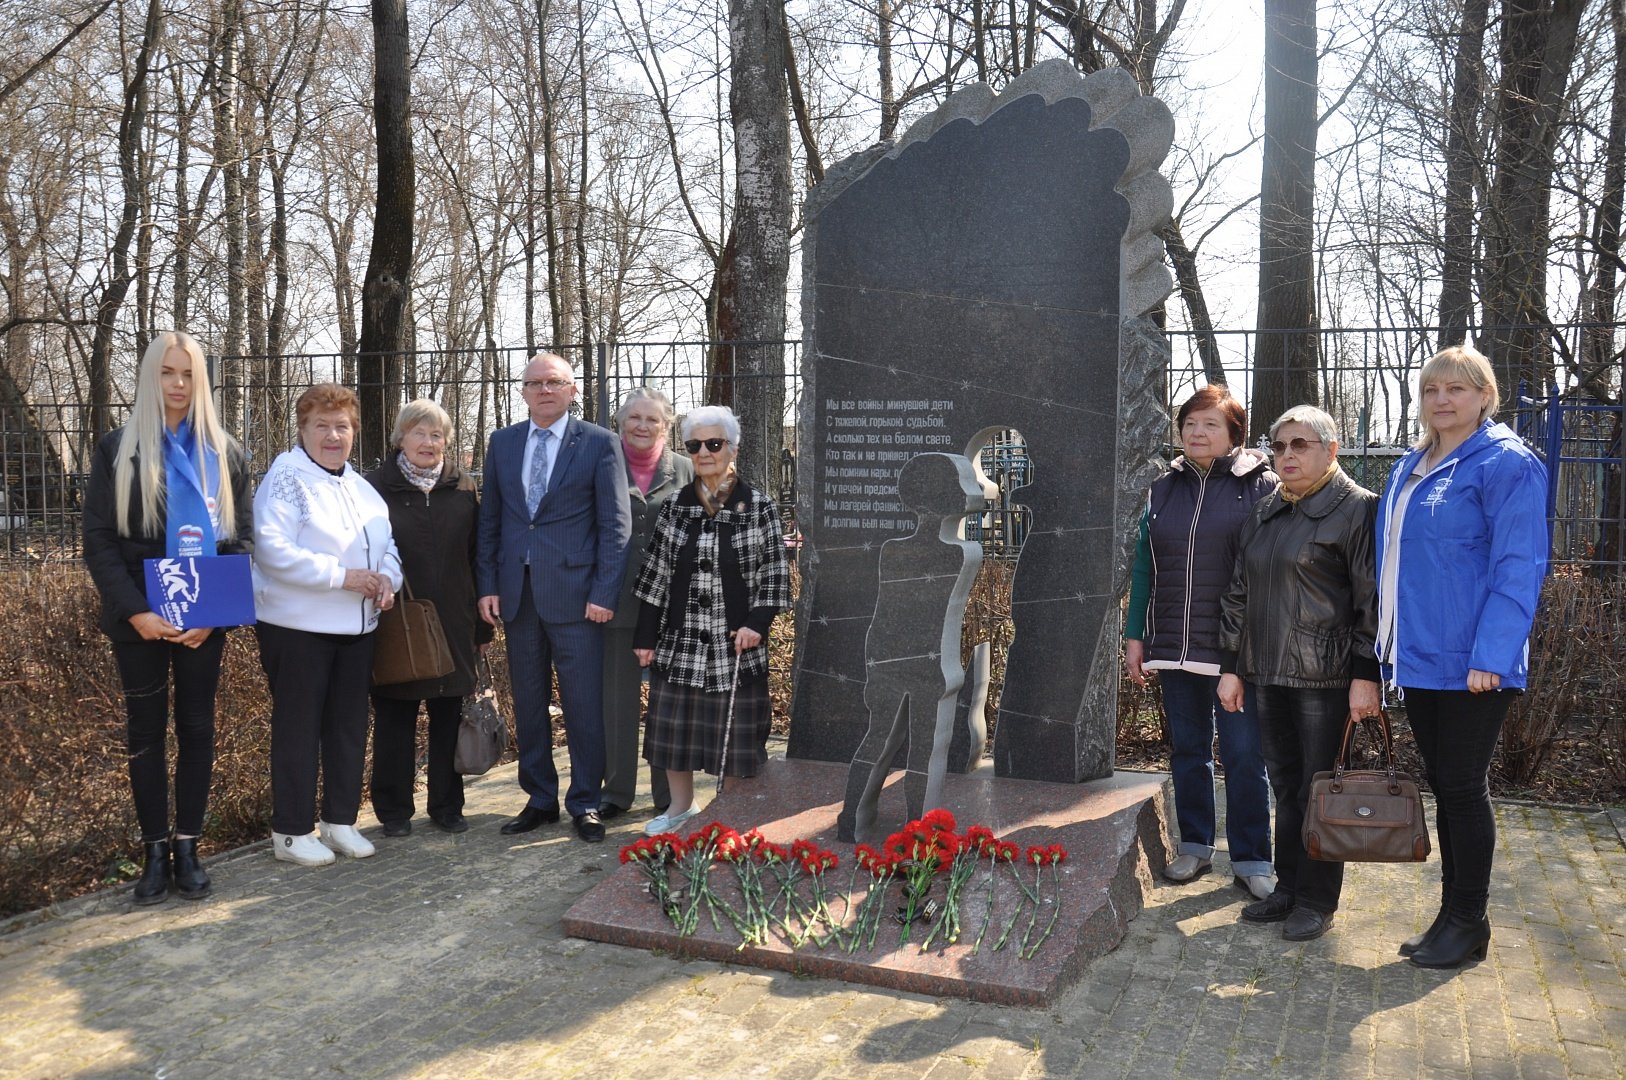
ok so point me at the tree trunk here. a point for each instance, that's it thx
(1600, 358)
(1462, 158)
(1285, 351)
(1537, 52)
(132, 119)
(229, 160)
(883, 69)
(386, 291)
(760, 114)
(1184, 261)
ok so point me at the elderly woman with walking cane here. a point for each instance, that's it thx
(713, 578)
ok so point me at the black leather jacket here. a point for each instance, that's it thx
(1302, 606)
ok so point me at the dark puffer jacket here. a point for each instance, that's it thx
(435, 534)
(1193, 521)
(1302, 606)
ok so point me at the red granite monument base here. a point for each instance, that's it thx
(1115, 831)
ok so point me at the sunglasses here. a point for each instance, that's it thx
(714, 445)
(1298, 446)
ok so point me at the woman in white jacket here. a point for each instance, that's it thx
(325, 567)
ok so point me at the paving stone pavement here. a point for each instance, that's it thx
(442, 957)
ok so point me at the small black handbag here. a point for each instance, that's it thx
(1365, 815)
(482, 737)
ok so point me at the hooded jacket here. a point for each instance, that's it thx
(310, 527)
(1472, 557)
(1187, 549)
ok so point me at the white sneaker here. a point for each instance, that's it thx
(303, 849)
(668, 822)
(346, 840)
(1259, 886)
(1186, 868)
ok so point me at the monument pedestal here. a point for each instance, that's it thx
(1115, 831)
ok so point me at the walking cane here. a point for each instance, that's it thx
(728, 724)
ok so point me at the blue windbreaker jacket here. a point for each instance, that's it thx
(1473, 554)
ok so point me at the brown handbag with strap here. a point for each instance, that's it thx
(411, 645)
(1365, 815)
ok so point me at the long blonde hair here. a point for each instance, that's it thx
(144, 439)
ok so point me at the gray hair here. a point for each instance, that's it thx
(418, 412)
(645, 393)
(1324, 426)
(713, 416)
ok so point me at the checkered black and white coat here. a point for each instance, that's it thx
(703, 577)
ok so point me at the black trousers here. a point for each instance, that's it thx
(395, 756)
(319, 686)
(144, 669)
(1456, 733)
(1302, 730)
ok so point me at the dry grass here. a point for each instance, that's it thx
(67, 823)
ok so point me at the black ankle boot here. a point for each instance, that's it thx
(1412, 944)
(153, 888)
(1461, 939)
(191, 883)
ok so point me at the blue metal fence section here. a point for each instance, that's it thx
(1580, 441)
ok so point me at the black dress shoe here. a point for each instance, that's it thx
(1459, 941)
(153, 888)
(1273, 908)
(609, 811)
(1306, 924)
(452, 822)
(589, 827)
(191, 882)
(399, 827)
(530, 818)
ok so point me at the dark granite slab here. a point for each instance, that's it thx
(982, 274)
(1114, 830)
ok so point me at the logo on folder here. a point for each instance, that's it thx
(210, 590)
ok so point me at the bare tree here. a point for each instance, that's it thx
(386, 292)
(1285, 351)
(758, 106)
(132, 119)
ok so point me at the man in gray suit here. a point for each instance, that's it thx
(554, 528)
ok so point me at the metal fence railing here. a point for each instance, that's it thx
(1365, 380)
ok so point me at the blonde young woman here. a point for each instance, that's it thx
(171, 482)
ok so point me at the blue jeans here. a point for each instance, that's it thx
(1303, 730)
(1194, 712)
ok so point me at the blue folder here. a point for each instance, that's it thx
(211, 590)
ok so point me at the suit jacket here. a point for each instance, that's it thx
(576, 541)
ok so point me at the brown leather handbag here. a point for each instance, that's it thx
(1365, 815)
(411, 645)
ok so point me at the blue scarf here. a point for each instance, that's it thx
(189, 529)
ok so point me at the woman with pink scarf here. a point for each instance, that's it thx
(654, 474)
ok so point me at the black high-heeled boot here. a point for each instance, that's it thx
(153, 888)
(1412, 944)
(191, 882)
(1462, 938)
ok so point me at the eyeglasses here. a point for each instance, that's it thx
(552, 386)
(1298, 446)
(714, 445)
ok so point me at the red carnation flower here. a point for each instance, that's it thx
(938, 819)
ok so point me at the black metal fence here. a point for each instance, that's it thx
(1365, 380)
